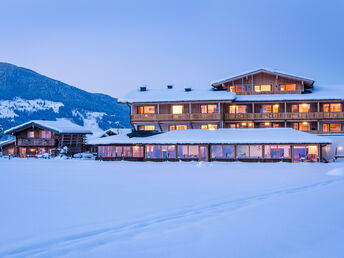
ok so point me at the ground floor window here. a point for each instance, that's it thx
(120, 151)
(222, 152)
(332, 127)
(277, 151)
(304, 126)
(177, 127)
(209, 126)
(188, 151)
(160, 151)
(242, 125)
(306, 153)
(146, 127)
(249, 151)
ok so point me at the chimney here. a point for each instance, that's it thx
(187, 89)
(169, 87)
(143, 88)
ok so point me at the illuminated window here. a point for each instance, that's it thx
(209, 126)
(275, 125)
(332, 127)
(264, 87)
(188, 151)
(146, 127)
(31, 134)
(232, 125)
(244, 125)
(275, 108)
(304, 126)
(177, 109)
(277, 151)
(288, 87)
(237, 88)
(332, 107)
(300, 108)
(177, 127)
(266, 109)
(208, 109)
(249, 151)
(222, 152)
(306, 153)
(147, 110)
(46, 134)
(240, 109)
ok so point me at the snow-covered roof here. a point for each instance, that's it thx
(60, 126)
(175, 95)
(220, 136)
(220, 82)
(116, 131)
(9, 141)
(318, 93)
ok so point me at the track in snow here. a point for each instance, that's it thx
(88, 240)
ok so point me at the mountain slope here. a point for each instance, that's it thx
(26, 95)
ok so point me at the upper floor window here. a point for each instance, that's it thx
(300, 108)
(209, 126)
(177, 127)
(288, 87)
(177, 109)
(45, 134)
(304, 126)
(238, 109)
(146, 127)
(263, 87)
(242, 125)
(332, 127)
(332, 107)
(147, 110)
(269, 108)
(209, 108)
(237, 88)
(31, 134)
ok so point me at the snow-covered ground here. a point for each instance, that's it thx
(76, 208)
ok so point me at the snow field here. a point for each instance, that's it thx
(75, 208)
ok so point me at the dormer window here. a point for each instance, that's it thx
(263, 87)
(31, 134)
(288, 87)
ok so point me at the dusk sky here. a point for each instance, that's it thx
(115, 46)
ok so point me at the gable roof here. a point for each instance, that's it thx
(61, 126)
(176, 95)
(306, 81)
(220, 136)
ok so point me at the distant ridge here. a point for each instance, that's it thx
(27, 95)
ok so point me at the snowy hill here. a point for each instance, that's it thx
(26, 95)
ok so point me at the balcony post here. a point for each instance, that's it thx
(285, 107)
(318, 106)
(158, 109)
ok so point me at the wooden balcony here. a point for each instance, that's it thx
(284, 116)
(36, 142)
(175, 117)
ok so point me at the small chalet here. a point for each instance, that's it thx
(41, 136)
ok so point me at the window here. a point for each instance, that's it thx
(304, 107)
(222, 152)
(288, 87)
(237, 88)
(177, 127)
(304, 126)
(147, 110)
(146, 127)
(249, 151)
(332, 127)
(31, 134)
(208, 109)
(269, 108)
(137, 151)
(264, 87)
(168, 151)
(45, 134)
(240, 109)
(306, 153)
(209, 126)
(188, 151)
(277, 151)
(300, 108)
(332, 107)
(177, 109)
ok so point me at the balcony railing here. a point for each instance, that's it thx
(175, 117)
(285, 116)
(36, 142)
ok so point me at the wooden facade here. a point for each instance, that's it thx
(34, 140)
(317, 116)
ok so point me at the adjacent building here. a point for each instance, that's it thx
(41, 136)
